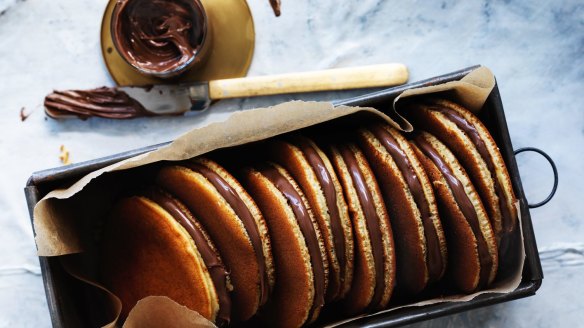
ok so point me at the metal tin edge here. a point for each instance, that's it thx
(531, 253)
(32, 197)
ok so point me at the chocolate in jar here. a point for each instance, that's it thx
(160, 37)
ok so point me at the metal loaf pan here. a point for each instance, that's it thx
(65, 299)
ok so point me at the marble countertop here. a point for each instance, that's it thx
(535, 49)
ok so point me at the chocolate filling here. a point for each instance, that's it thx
(305, 223)
(477, 140)
(371, 220)
(330, 193)
(212, 260)
(465, 205)
(101, 102)
(158, 35)
(242, 211)
(434, 255)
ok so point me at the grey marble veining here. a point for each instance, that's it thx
(535, 49)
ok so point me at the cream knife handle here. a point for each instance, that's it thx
(333, 79)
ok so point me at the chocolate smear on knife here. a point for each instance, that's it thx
(101, 102)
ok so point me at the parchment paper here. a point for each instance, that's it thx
(58, 227)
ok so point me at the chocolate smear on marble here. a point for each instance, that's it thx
(276, 7)
(23, 114)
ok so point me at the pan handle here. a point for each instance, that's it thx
(553, 165)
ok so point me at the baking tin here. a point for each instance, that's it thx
(65, 298)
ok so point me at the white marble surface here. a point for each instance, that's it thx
(535, 49)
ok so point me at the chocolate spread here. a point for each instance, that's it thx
(371, 219)
(276, 7)
(465, 205)
(101, 102)
(305, 223)
(158, 35)
(210, 257)
(434, 259)
(243, 213)
(330, 193)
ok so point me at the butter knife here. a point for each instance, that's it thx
(132, 101)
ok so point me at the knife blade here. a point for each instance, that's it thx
(133, 101)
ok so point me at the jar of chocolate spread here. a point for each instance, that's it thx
(161, 38)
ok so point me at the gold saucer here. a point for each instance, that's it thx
(230, 54)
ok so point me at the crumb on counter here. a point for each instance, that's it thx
(64, 156)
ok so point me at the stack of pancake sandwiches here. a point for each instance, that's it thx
(315, 224)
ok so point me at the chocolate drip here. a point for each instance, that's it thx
(372, 221)
(159, 35)
(212, 260)
(477, 140)
(435, 262)
(276, 7)
(101, 102)
(330, 193)
(465, 205)
(305, 223)
(244, 214)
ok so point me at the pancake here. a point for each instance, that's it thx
(375, 266)
(471, 242)
(311, 168)
(298, 248)
(419, 238)
(233, 221)
(154, 246)
(470, 141)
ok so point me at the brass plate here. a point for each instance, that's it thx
(230, 55)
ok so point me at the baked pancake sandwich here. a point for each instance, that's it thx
(469, 140)
(375, 265)
(154, 246)
(297, 244)
(472, 248)
(313, 171)
(233, 221)
(420, 243)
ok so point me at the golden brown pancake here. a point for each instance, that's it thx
(298, 248)
(470, 141)
(471, 242)
(311, 168)
(233, 221)
(420, 242)
(156, 248)
(375, 266)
